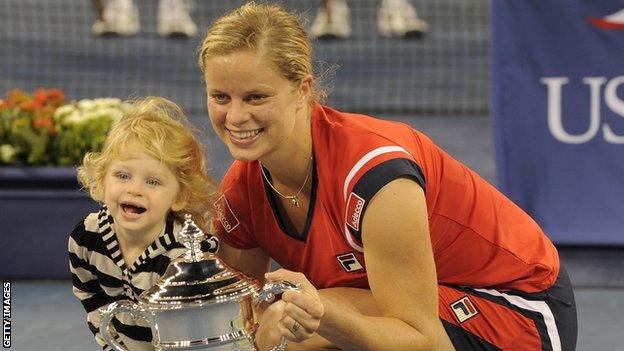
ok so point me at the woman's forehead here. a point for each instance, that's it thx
(241, 71)
(249, 60)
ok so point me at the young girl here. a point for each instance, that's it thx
(150, 172)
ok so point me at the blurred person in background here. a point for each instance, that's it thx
(395, 18)
(121, 18)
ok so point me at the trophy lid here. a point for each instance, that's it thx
(197, 278)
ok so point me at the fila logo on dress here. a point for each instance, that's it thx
(349, 262)
(464, 309)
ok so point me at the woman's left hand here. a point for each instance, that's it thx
(303, 311)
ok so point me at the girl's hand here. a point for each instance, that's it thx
(303, 311)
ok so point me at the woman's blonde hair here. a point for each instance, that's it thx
(268, 30)
(161, 128)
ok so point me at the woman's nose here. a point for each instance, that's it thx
(237, 113)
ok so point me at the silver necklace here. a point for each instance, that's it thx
(294, 199)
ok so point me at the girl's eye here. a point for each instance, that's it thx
(122, 176)
(153, 182)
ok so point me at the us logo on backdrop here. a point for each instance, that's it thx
(558, 114)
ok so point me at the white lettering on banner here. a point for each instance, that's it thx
(616, 105)
(613, 102)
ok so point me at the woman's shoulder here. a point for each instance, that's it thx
(357, 135)
(356, 128)
(237, 175)
(237, 187)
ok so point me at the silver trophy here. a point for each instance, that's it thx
(199, 303)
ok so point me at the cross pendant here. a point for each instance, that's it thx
(295, 201)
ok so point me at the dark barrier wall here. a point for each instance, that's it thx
(39, 207)
(558, 112)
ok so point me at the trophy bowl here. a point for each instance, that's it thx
(198, 303)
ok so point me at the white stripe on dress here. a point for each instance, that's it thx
(536, 306)
(358, 165)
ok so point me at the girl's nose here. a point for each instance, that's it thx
(134, 187)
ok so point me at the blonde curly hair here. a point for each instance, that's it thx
(162, 129)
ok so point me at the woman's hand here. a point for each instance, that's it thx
(302, 312)
(268, 334)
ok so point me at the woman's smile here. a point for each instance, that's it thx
(244, 138)
(251, 106)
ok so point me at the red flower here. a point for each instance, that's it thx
(41, 96)
(31, 105)
(52, 97)
(44, 123)
(16, 96)
(56, 97)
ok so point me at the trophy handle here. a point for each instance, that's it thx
(268, 293)
(107, 316)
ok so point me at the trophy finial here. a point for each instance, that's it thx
(191, 236)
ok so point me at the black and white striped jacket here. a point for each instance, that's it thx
(100, 276)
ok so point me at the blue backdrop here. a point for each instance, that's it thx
(558, 114)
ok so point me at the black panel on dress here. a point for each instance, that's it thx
(377, 177)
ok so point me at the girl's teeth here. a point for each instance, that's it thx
(245, 134)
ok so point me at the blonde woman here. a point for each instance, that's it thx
(396, 245)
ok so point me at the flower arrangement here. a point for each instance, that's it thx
(27, 126)
(82, 127)
(41, 130)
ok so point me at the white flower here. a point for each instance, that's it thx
(6, 153)
(63, 111)
(86, 105)
(87, 110)
(107, 102)
(74, 117)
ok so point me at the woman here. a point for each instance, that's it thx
(397, 246)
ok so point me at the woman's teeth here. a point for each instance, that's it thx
(245, 134)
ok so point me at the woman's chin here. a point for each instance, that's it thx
(242, 154)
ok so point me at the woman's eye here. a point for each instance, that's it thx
(219, 98)
(255, 97)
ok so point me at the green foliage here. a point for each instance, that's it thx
(40, 130)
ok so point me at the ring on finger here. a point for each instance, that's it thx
(295, 327)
